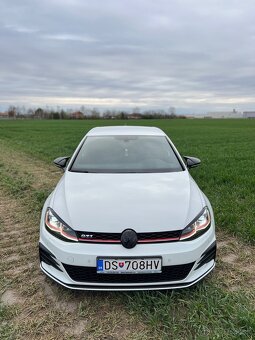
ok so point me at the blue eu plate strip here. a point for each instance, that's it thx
(100, 265)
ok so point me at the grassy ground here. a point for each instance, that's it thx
(221, 307)
(226, 148)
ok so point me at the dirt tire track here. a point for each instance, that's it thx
(41, 306)
(42, 175)
(235, 263)
(37, 298)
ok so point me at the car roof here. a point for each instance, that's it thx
(125, 130)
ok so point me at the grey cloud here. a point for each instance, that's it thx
(188, 54)
(69, 37)
(20, 29)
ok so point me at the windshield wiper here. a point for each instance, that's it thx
(81, 171)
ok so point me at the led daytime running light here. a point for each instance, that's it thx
(58, 227)
(197, 226)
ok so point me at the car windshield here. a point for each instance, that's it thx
(126, 154)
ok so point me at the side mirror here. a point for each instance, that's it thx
(61, 162)
(191, 162)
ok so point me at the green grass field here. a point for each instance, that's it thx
(226, 148)
(221, 307)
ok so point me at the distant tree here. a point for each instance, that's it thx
(83, 109)
(30, 113)
(51, 113)
(162, 113)
(39, 113)
(172, 110)
(12, 112)
(63, 114)
(95, 114)
(55, 115)
(171, 116)
(23, 110)
(107, 114)
(123, 115)
(18, 111)
(69, 112)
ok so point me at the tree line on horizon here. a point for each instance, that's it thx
(85, 113)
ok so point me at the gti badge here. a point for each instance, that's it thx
(87, 235)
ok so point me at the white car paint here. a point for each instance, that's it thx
(113, 202)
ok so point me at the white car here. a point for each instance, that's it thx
(127, 215)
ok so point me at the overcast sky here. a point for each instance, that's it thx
(194, 55)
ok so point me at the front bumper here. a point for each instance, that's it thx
(73, 265)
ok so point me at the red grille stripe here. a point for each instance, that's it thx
(98, 240)
(139, 241)
(159, 240)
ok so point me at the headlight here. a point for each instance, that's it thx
(198, 226)
(58, 228)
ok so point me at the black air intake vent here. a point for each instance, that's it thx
(47, 257)
(89, 274)
(208, 255)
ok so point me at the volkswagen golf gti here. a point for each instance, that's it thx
(127, 215)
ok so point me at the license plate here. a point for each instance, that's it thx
(129, 266)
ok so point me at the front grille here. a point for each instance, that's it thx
(149, 237)
(87, 236)
(89, 274)
(159, 236)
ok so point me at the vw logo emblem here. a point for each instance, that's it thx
(129, 238)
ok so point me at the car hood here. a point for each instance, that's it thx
(113, 202)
